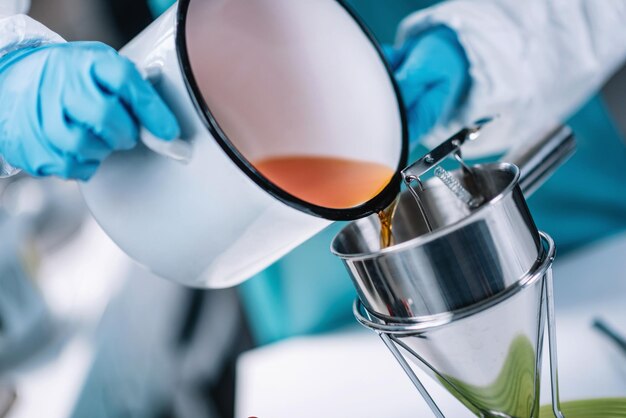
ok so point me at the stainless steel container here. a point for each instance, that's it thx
(448, 255)
(465, 289)
(470, 254)
(487, 355)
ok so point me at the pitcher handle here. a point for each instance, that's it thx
(176, 149)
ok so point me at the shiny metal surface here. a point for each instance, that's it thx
(488, 356)
(465, 292)
(491, 360)
(400, 326)
(538, 160)
(469, 256)
(457, 188)
(387, 340)
(444, 150)
(554, 371)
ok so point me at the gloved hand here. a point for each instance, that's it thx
(65, 107)
(432, 72)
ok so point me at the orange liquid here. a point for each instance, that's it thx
(386, 224)
(324, 181)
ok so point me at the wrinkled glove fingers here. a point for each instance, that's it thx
(44, 159)
(106, 118)
(415, 78)
(397, 55)
(69, 136)
(83, 145)
(120, 77)
(426, 111)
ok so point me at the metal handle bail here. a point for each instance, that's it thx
(450, 147)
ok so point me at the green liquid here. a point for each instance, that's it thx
(589, 408)
(515, 392)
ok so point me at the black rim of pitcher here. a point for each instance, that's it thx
(379, 202)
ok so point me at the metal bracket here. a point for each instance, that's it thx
(450, 147)
(388, 331)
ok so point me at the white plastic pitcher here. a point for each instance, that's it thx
(247, 79)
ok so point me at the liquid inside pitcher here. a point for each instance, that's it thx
(327, 181)
(284, 104)
(333, 182)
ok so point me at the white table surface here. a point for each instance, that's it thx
(351, 374)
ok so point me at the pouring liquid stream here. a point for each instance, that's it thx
(341, 183)
(386, 224)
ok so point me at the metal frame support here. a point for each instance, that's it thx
(409, 372)
(554, 372)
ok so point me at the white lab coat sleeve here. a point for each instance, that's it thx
(13, 7)
(533, 62)
(18, 30)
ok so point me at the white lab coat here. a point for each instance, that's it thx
(18, 30)
(531, 61)
(11, 7)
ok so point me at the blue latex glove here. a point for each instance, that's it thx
(65, 107)
(432, 72)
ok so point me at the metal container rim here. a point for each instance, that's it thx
(416, 325)
(433, 236)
